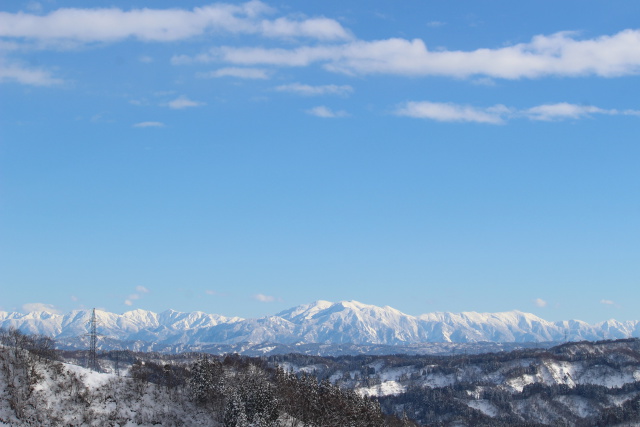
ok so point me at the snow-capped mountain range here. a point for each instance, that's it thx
(319, 322)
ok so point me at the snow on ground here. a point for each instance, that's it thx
(579, 405)
(619, 399)
(518, 383)
(90, 378)
(394, 374)
(438, 380)
(607, 376)
(267, 349)
(559, 373)
(484, 406)
(386, 388)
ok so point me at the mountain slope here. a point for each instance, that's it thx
(319, 322)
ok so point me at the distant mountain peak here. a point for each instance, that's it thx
(322, 322)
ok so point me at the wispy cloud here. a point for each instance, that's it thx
(15, 73)
(447, 112)
(39, 307)
(183, 102)
(241, 73)
(309, 90)
(149, 125)
(265, 298)
(499, 114)
(540, 302)
(436, 24)
(564, 110)
(326, 112)
(140, 291)
(607, 302)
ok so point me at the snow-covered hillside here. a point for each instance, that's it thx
(320, 322)
(574, 384)
(36, 389)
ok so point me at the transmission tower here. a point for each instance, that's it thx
(93, 341)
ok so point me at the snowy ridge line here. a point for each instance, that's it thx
(323, 322)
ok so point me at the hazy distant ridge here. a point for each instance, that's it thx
(319, 322)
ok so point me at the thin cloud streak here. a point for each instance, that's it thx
(326, 112)
(13, 73)
(500, 114)
(446, 112)
(149, 125)
(241, 73)
(265, 298)
(308, 90)
(540, 302)
(183, 102)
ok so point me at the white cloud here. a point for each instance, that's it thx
(320, 28)
(38, 307)
(74, 298)
(327, 113)
(149, 124)
(499, 114)
(299, 57)
(241, 73)
(265, 298)
(145, 59)
(607, 302)
(559, 54)
(309, 90)
(210, 292)
(182, 102)
(141, 290)
(113, 24)
(540, 302)
(562, 111)
(446, 112)
(33, 77)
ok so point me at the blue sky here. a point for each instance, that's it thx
(243, 158)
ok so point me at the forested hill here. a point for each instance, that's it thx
(574, 384)
(36, 389)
